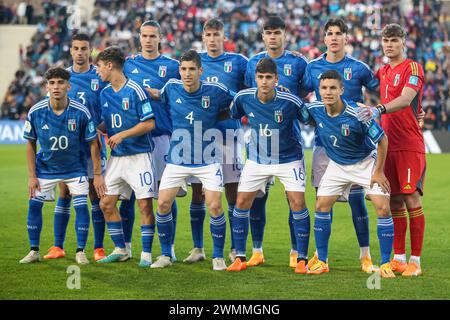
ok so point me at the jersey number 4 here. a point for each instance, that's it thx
(190, 117)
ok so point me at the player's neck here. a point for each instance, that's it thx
(264, 98)
(335, 109)
(396, 61)
(194, 87)
(150, 55)
(118, 80)
(334, 57)
(274, 54)
(59, 105)
(215, 54)
(81, 68)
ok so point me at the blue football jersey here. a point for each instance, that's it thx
(85, 88)
(191, 112)
(355, 74)
(122, 111)
(290, 68)
(272, 126)
(61, 139)
(154, 73)
(228, 69)
(345, 139)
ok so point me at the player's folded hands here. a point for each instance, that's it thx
(380, 179)
(99, 185)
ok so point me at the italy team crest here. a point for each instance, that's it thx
(347, 73)
(205, 102)
(278, 116)
(287, 69)
(72, 125)
(345, 130)
(228, 66)
(94, 84)
(162, 71)
(125, 103)
(396, 79)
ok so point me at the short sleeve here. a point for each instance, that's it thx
(414, 76)
(144, 108)
(29, 131)
(89, 129)
(374, 131)
(237, 111)
(226, 97)
(249, 75)
(306, 83)
(368, 78)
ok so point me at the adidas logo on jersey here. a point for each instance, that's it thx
(106, 104)
(135, 71)
(321, 125)
(251, 115)
(45, 127)
(178, 101)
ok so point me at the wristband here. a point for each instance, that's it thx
(381, 108)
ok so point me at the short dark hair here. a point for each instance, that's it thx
(81, 37)
(274, 22)
(191, 55)
(114, 55)
(336, 22)
(57, 72)
(331, 74)
(266, 65)
(151, 23)
(393, 30)
(214, 24)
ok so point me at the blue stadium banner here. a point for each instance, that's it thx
(11, 132)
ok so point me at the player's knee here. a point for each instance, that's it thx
(107, 207)
(322, 207)
(297, 204)
(215, 208)
(383, 210)
(164, 206)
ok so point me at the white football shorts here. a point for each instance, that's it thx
(77, 186)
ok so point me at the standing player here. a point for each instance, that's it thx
(195, 108)
(152, 70)
(355, 158)
(127, 119)
(356, 75)
(85, 87)
(62, 126)
(291, 69)
(401, 88)
(228, 69)
(274, 150)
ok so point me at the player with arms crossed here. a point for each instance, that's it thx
(274, 151)
(127, 119)
(355, 158)
(228, 69)
(290, 69)
(356, 75)
(195, 108)
(152, 70)
(62, 126)
(401, 89)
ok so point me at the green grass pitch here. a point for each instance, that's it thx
(273, 280)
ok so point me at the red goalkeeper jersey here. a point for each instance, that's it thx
(402, 127)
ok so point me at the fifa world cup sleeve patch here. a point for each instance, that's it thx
(414, 80)
(374, 132)
(146, 108)
(91, 127)
(27, 127)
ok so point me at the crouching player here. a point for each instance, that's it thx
(62, 127)
(274, 150)
(355, 158)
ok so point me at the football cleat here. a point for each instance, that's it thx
(386, 271)
(301, 267)
(412, 270)
(237, 265)
(128, 247)
(313, 260)
(232, 255)
(161, 262)
(256, 259)
(55, 253)
(195, 255)
(398, 266)
(367, 265)
(99, 254)
(219, 264)
(32, 256)
(318, 268)
(118, 255)
(146, 260)
(293, 259)
(80, 257)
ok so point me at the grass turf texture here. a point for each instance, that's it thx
(273, 280)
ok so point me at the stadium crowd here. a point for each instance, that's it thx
(118, 22)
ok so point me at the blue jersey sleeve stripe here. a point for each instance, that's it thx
(244, 92)
(29, 137)
(80, 107)
(216, 84)
(295, 101)
(39, 105)
(90, 138)
(142, 96)
(147, 116)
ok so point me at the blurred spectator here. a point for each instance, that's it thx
(118, 21)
